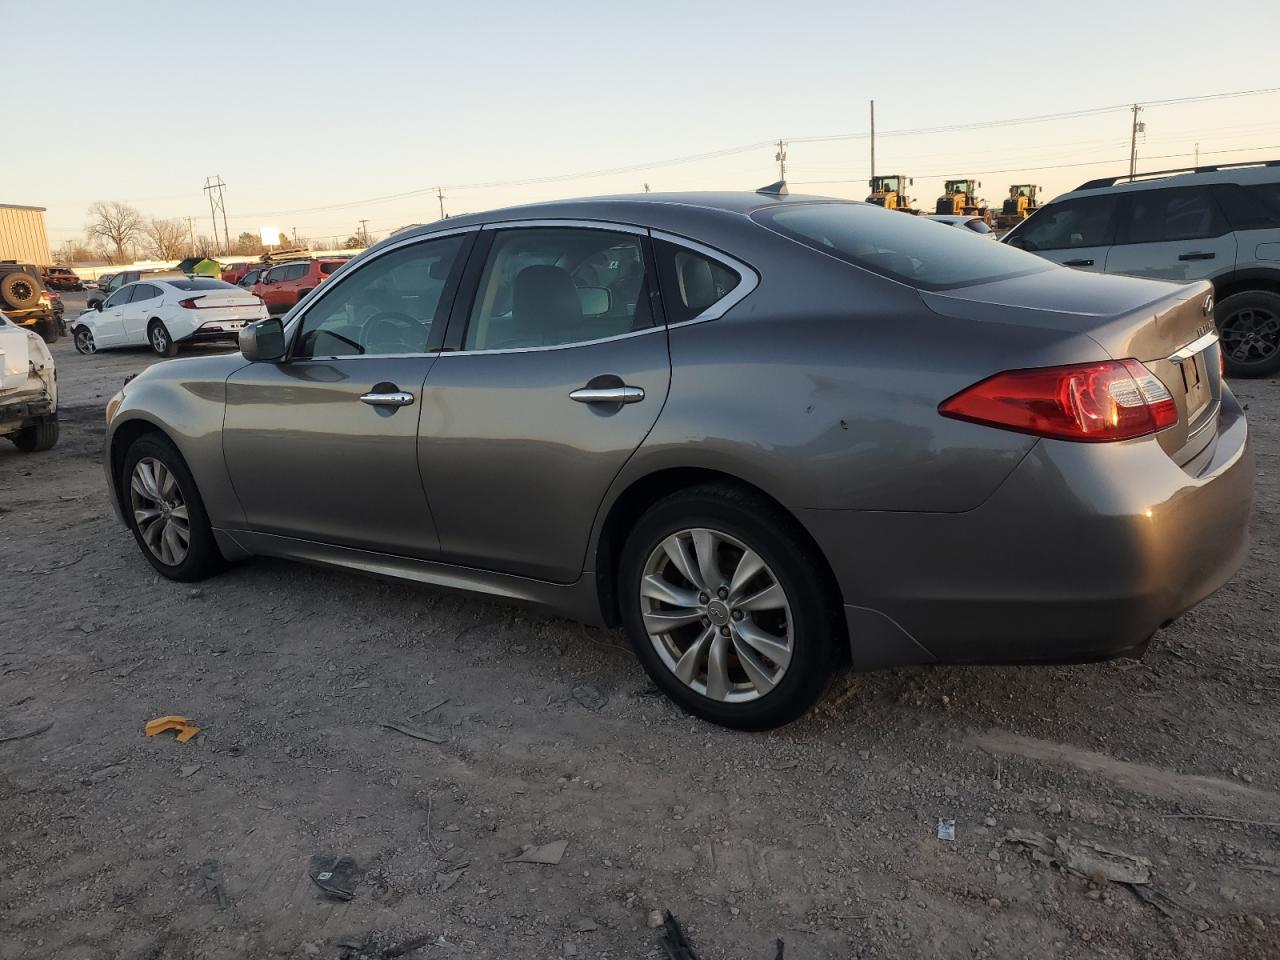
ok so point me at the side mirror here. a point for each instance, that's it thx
(263, 340)
(97, 305)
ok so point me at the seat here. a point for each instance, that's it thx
(545, 309)
(697, 285)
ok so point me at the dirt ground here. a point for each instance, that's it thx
(823, 834)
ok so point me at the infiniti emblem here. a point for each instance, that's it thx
(1207, 306)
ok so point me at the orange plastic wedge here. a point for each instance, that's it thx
(181, 724)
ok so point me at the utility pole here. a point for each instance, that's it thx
(781, 157)
(646, 188)
(214, 187)
(1197, 163)
(440, 197)
(295, 236)
(191, 235)
(873, 139)
(364, 232)
(1133, 141)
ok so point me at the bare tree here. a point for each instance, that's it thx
(166, 239)
(74, 251)
(115, 223)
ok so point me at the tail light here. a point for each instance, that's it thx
(190, 303)
(1091, 402)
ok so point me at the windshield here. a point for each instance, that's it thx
(908, 249)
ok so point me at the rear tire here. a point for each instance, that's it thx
(160, 339)
(201, 558)
(1249, 329)
(39, 436)
(755, 688)
(48, 330)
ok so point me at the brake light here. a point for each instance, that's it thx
(1091, 402)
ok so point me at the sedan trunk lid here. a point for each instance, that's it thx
(1166, 326)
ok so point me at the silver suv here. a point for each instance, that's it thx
(1218, 223)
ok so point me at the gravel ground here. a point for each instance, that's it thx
(824, 834)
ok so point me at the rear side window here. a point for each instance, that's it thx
(1079, 222)
(144, 291)
(898, 246)
(691, 281)
(1160, 216)
(328, 268)
(1254, 206)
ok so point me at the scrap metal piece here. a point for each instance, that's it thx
(181, 724)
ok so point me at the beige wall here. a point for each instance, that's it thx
(22, 235)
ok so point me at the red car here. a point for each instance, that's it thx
(235, 273)
(285, 284)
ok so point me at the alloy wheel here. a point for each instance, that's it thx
(159, 339)
(84, 341)
(716, 614)
(1251, 335)
(160, 511)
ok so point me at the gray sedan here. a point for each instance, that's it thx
(767, 435)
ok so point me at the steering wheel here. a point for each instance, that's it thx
(391, 331)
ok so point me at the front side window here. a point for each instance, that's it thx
(385, 306)
(121, 295)
(1079, 222)
(550, 286)
(691, 281)
(250, 278)
(1161, 216)
(906, 249)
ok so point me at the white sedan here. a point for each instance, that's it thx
(166, 313)
(968, 222)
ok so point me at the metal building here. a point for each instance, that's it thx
(23, 236)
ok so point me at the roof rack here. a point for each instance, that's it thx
(1112, 181)
(776, 189)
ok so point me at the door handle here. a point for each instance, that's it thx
(394, 398)
(622, 394)
(1197, 256)
(1077, 263)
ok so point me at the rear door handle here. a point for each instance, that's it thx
(622, 394)
(1077, 263)
(394, 398)
(1197, 256)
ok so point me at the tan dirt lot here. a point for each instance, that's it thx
(821, 834)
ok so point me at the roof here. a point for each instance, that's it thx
(663, 211)
(21, 206)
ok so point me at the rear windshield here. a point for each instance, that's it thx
(899, 246)
(201, 283)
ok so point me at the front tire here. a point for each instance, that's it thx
(165, 512)
(39, 436)
(728, 606)
(1249, 331)
(161, 340)
(83, 339)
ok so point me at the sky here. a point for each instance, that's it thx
(320, 114)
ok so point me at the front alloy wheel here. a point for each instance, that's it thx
(160, 511)
(84, 341)
(716, 615)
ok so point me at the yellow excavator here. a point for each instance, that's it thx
(1019, 205)
(960, 197)
(888, 192)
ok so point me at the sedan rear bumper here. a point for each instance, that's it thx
(1081, 554)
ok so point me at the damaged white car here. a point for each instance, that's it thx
(28, 389)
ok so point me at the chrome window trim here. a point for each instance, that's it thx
(298, 315)
(749, 279)
(555, 346)
(609, 226)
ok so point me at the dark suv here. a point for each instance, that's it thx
(26, 302)
(1218, 223)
